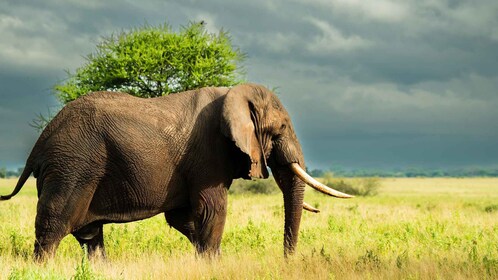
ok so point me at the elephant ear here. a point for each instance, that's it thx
(238, 125)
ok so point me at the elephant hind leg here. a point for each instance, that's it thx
(49, 232)
(46, 246)
(182, 220)
(61, 205)
(92, 236)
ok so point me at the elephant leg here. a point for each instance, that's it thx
(210, 209)
(49, 232)
(57, 209)
(92, 236)
(182, 220)
(45, 246)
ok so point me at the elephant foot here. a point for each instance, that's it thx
(208, 252)
(45, 248)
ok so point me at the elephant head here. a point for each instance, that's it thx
(255, 119)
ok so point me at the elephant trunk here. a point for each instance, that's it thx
(293, 190)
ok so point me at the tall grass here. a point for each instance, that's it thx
(413, 229)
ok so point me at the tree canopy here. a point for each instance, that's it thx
(152, 61)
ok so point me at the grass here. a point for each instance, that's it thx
(413, 229)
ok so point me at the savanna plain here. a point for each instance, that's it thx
(414, 228)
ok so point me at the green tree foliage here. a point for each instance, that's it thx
(152, 61)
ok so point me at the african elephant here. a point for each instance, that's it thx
(109, 157)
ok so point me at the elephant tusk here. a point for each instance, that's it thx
(310, 208)
(315, 184)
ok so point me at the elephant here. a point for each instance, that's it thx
(109, 157)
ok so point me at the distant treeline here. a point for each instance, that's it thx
(409, 172)
(5, 173)
(341, 172)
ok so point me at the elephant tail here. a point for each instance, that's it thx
(20, 183)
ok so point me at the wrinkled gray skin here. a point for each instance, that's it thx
(113, 158)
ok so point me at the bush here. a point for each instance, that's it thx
(354, 186)
(261, 186)
(491, 208)
(357, 186)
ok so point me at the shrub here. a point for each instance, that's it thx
(357, 186)
(261, 186)
(491, 208)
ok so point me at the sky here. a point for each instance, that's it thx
(368, 84)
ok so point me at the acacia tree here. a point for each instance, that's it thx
(152, 61)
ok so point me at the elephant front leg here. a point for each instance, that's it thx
(210, 210)
(182, 220)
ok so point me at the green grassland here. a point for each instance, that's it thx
(438, 228)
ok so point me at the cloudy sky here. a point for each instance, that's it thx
(369, 84)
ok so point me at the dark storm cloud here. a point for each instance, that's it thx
(368, 83)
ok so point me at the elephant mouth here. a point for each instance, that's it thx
(299, 172)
